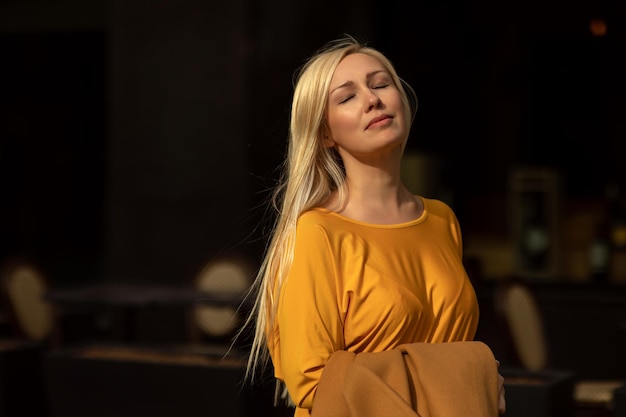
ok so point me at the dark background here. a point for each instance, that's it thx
(139, 140)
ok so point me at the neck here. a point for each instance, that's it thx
(376, 195)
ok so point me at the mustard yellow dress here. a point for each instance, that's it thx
(365, 287)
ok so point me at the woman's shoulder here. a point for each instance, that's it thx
(437, 207)
(326, 220)
(315, 224)
(314, 216)
(435, 204)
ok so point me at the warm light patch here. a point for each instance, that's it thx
(597, 27)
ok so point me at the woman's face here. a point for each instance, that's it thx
(365, 110)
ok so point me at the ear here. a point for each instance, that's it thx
(326, 139)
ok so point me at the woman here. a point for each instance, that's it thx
(356, 263)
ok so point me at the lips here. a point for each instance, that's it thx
(376, 120)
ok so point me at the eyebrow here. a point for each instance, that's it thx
(350, 83)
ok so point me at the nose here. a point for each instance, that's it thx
(373, 101)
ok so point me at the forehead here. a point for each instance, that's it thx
(355, 67)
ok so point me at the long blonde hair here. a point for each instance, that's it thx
(310, 173)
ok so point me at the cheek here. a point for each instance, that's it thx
(397, 103)
(341, 121)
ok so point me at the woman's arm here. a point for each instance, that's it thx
(309, 320)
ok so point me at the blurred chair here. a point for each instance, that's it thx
(31, 331)
(23, 287)
(520, 315)
(228, 278)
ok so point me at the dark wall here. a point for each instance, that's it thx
(177, 189)
(53, 149)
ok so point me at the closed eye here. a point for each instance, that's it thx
(381, 86)
(346, 99)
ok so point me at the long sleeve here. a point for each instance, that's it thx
(308, 317)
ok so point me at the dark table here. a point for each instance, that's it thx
(130, 298)
(138, 295)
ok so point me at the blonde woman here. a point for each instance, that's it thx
(356, 263)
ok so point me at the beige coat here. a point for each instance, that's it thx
(418, 379)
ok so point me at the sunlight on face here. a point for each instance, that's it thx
(365, 109)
